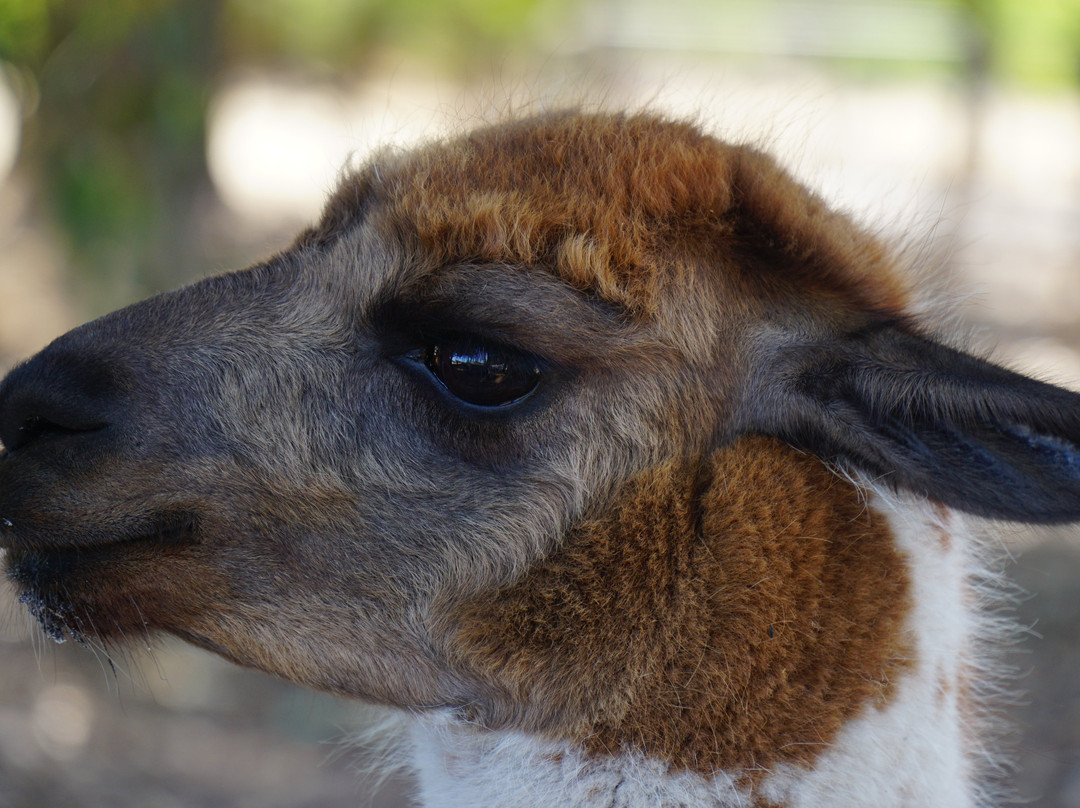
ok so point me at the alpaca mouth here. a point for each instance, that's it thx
(64, 586)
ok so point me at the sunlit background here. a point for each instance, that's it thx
(145, 143)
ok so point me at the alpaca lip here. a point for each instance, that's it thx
(64, 586)
(43, 567)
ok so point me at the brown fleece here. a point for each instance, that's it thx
(605, 200)
(728, 614)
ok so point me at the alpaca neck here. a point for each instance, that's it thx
(909, 755)
(731, 632)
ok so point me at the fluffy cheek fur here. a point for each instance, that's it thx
(729, 613)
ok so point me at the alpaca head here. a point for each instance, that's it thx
(311, 465)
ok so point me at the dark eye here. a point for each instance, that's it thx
(480, 372)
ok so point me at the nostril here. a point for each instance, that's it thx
(56, 394)
(29, 429)
(35, 427)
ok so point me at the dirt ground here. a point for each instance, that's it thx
(1047, 715)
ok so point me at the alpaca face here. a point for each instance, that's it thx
(192, 463)
(312, 465)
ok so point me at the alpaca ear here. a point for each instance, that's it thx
(918, 415)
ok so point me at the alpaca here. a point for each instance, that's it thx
(607, 452)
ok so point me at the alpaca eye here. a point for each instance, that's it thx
(482, 373)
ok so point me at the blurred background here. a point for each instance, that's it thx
(146, 143)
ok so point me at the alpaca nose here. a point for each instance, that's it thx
(56, 393)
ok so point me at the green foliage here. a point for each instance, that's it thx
(24, 30)
(338, 33)
(1037, 41)
(117, 135)
(295, 30)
